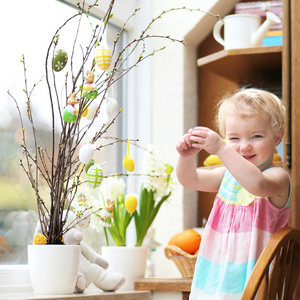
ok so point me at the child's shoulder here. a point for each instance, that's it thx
(283, 181)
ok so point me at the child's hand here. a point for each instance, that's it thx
(207, 139)
(184, 145)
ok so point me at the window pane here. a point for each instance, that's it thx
(27, 28)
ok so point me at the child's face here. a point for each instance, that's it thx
(253, 138)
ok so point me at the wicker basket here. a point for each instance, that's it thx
(185, 262)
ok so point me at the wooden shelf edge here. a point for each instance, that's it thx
(163, 284)
(232, 52)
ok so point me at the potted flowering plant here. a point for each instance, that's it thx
(121, 209)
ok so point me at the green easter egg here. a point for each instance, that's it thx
(91, 94)
(60, 60)
(94, 176)
(88, 165)
(69, 117)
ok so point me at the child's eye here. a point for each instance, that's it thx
(257, 136)
(233, 139)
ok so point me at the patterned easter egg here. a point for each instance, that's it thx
(94, 176)
(103, 57)
(69, 114)
(60, 60)
(84, 216)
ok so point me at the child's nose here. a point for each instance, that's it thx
(245, 145)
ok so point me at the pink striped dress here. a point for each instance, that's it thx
(239, 227)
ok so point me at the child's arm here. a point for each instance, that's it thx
(190, 176)
(273, 184)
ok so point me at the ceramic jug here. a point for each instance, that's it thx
(243, 30)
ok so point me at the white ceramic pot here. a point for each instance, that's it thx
(129, 261)
(53, 269)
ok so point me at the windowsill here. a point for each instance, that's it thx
(14, 279)
(15, 284)
(94, 294)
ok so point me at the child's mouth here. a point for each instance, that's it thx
(249, 157)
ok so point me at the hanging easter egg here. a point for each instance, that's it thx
(85, 111)
(103, 57)
(111, 106)
(70, 114)
(60, 60)
(128, 162)
(83, 216)
(81, 199)
(86, 153)
(94, 176)
(92, 110)
(88, 165)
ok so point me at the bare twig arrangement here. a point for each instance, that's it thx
(59, 167)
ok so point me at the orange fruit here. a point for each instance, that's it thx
(187, 240)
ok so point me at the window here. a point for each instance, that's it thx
(28, 27)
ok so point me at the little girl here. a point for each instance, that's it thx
(252, 200)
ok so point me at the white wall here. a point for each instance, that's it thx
(175, 105)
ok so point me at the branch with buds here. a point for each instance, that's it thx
(60, 167)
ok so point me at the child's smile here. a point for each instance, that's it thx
(252, 138)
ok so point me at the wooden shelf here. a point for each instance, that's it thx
(163, 284)
(87, 295)
(257, 64)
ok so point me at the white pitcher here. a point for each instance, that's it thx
(243, 30)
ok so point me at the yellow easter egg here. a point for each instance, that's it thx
(128, 163)
(85, 111)
(103, 57)
(131, 204)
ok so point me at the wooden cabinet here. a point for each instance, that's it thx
(224, 71)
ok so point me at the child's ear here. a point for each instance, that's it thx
(278, 137)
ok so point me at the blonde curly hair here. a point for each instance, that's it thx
(248, 102)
